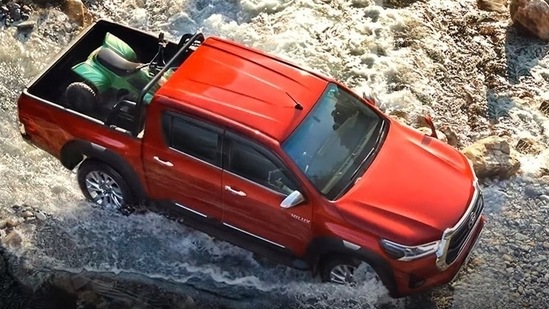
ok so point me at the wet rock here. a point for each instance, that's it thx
(75, 11)
(26, 25)
(12, 222)
(532, 15)
(40, 216)
(14, 10)
(398, 3)
(492, 157)
(399, 119)
(532, 191)
(528, 146)
(499, 6)
(544, 107)
(427, 131)
(13, 239)
(26, 9)
(27, 214)
(451, 136)
(44, 2)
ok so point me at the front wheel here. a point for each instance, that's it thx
(103, 185)
(344, 270)
(339, 270)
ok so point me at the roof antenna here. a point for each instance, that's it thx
(297, 105)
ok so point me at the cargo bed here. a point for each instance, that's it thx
(51, 84)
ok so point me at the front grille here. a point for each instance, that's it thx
(460, 236)
(454, 239)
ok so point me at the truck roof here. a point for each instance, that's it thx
(245, 85)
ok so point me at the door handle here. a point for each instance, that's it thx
(167, 163)
(235, 192)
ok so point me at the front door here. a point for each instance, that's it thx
(183, 165)
(255, 181)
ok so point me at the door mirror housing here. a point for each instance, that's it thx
(295, 198)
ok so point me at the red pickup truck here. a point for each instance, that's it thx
(256, 151)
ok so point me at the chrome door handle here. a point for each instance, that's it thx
(235, 192)
(167, 163)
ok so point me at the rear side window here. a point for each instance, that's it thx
(193, 137)
(259, 165)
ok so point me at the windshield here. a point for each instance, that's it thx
(333, 140)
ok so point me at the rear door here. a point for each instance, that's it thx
(255, 181)
(183, 165)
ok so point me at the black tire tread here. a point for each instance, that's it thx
(80, 97)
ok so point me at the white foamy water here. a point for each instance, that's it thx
(353, 41)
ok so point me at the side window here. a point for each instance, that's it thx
(260, 166)
(193, 138)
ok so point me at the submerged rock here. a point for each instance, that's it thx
(13, 239)
(492, 157)
(532, 15)
(26, 25)
(528, 146)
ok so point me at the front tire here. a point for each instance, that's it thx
(104, 186)
(338, 269)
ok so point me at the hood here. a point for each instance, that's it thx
(416, 187)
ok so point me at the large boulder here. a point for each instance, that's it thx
(492, 157)
(532, 15)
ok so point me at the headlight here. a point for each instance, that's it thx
(408, 253)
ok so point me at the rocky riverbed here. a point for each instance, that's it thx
(484, 81)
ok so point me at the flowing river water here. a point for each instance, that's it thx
(360, 42)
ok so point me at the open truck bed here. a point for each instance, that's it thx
(51, 84)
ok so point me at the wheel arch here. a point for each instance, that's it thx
(323, 248)
(75, 152)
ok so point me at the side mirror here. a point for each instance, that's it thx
(295, 198)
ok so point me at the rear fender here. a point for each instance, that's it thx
(74, 152)
(93, 75)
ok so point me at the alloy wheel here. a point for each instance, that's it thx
(342, 274)
(104, 190)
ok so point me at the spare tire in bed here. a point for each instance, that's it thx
(80, 97)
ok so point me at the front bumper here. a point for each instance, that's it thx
(422, 274)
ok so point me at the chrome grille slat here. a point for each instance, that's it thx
(455, 239)
(459, 239)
